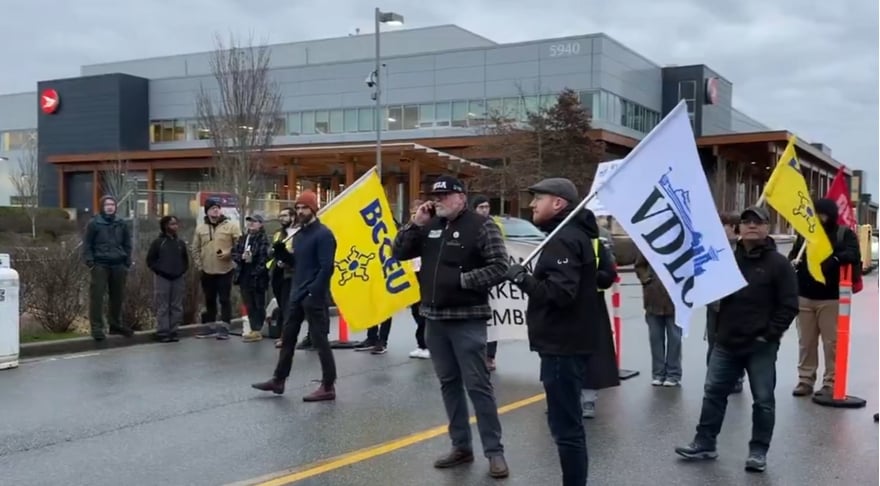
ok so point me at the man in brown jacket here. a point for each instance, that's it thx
(213, 243)
(664, 335)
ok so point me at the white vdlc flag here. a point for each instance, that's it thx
(660, 196)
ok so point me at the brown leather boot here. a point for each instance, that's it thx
(322, 394)
(456, 457)
(274, 385)
(498, 467)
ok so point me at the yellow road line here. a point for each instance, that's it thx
(321, 467)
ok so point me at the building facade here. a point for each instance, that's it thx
(440, 86)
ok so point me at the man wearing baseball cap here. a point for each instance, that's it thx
(250, 256)
(562, 316)
(463, 256)
(749, 327)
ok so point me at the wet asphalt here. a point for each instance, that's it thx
(184, 414)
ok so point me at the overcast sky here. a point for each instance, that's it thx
(808, 66)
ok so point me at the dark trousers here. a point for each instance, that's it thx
(420, 326)
(255, 302)
(725, 367)
(458, 353)
(562, 377)
(491, 349)
(379, 334)
(281, 291)
(318, 316)
(168, 298)
(711, 330)
(110, 280)
(217, 287)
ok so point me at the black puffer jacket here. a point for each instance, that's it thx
(168, 257)
(563, 315)
(766, 306)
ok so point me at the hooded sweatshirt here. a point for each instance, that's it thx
(107, 240)
(846, 251)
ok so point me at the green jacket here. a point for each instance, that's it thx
(107, 241)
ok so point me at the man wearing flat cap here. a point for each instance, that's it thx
(463, 256)
(750, 324)
(563, 316)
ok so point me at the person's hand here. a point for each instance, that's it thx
(248, 257)
(423, 214)
(516, 274)
(224, 256)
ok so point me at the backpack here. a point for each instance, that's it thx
(857, 283)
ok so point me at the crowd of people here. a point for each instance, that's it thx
(459, 253)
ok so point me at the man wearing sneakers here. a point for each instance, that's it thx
(213, 242)
(751, 322)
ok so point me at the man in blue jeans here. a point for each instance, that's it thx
(562, 317)
(663, 334)
(751, 322)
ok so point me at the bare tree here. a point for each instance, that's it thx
(241, 113)
(25, 182)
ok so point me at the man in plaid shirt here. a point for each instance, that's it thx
(463, 255)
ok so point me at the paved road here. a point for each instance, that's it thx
(184, 414)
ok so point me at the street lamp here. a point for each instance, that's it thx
(389, 18)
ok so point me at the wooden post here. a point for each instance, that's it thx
(96, 191)
(349, 173)
(291, 183)
(151, 192)
(62, 188)
(415, 182)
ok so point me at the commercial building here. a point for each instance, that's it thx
(439, 84)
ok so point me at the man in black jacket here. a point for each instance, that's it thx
(463, 256)
(168, 258)
(107, 253)
(820, 303)
(751, 322)
(562, 317)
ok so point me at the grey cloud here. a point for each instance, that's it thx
(807, 66)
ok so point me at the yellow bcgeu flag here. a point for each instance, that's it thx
(787, 193)
(369, 284)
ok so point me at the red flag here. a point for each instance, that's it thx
(839, 193)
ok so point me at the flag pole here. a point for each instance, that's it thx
(643, 142)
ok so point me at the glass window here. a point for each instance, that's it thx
(279, 126)
(687, 90)
(337, 121)
(395, 118)
(167, 131)
(476, 112)
(308, 123)
(426, 115)
(548, 101)
(322, 121)
(351, 120)
(294, 123)
(495, 108)
(366, 119)
(459, 113)
(192, 129)
(630, 114)
(587, 102)
(531, 104)
(443, 114)
(19, 139)
(155, 132)
(691, 105)
(179, 130)
(410, 117)
(514, 109)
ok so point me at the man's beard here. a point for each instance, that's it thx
(304, 220)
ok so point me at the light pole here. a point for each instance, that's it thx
(389, 18)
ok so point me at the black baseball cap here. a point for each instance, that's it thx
(255, 217)
(756, 211)
(446, 184)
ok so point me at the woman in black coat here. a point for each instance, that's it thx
(601, 369)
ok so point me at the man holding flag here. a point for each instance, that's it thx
(820, 302)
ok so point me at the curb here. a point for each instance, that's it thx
(86, 343)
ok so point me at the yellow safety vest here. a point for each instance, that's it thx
(275, 239)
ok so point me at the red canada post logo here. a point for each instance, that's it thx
(49, 101)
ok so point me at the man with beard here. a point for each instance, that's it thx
(462, 257)
(820, 303)
(281, 272)
(314, 250)
(562, 317)
(481, 206)
(107, 253)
